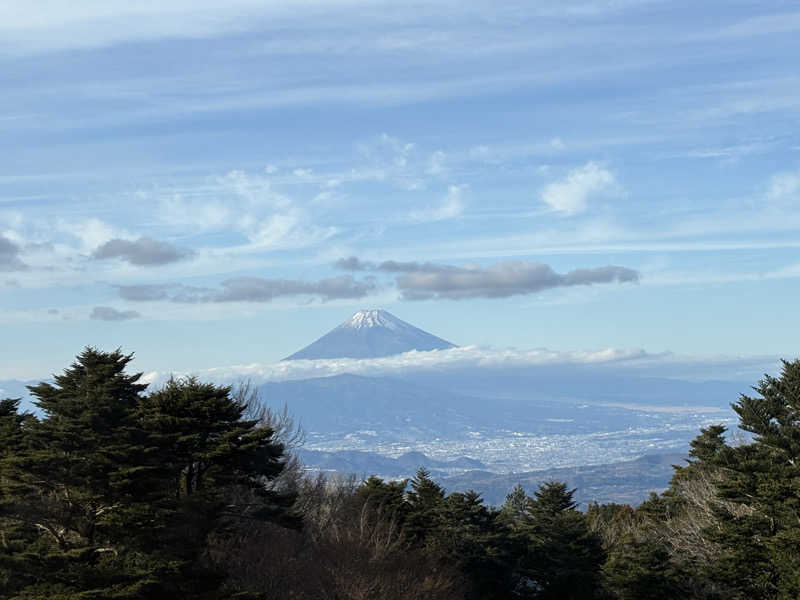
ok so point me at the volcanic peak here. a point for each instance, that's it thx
(371, 334)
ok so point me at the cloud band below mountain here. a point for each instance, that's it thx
(633, 362)
(462, 357)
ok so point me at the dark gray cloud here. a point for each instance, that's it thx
(144, 251)
(252, 289)
(257, 289)
(353, 263)
(608, 274)
(501, 280)
(425, 281)
(9, 256)
(107, 313)
(143, 293)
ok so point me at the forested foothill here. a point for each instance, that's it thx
(191, 490)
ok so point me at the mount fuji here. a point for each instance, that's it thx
(371, 334)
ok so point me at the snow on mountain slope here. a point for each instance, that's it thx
(371, 334)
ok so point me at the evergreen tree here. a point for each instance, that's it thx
(79, 482)
(123, 490)
(424, 501)
(553, 498)
(707, 446)
(16, 536)
(211, 453)
(642, 569)
(386, 497)
(471, 537)
(516, 507)
(562, 556)
(763, 479)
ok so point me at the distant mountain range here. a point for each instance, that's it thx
(371, 463)
(625, 482)
(629, 481)
(371, 334)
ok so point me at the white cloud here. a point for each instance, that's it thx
(451, 207)
(53, 25)
(633, 362)
(436, 163)
(91, 232)
(248, 205)
(784, 187)
(571, 194)
(455, 358)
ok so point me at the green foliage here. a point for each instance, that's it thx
(707, 446)
(763, 481)
(516, 507)
(387, 497)
(113, 494)
(642, 570)
(562, 557)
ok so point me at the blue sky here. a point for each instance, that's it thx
(184, 179)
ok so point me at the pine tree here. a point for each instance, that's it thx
(387, 498)
(763, 479)
(642, 569)
(215, 465)
(424, 501)
(80, 478)
(123, 491)
(16, 536)
(471, 537)
(562, 556)
(516, 507)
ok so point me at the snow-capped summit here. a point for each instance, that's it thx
(374, 317)
(371, 334)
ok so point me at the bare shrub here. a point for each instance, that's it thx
(348, 550)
